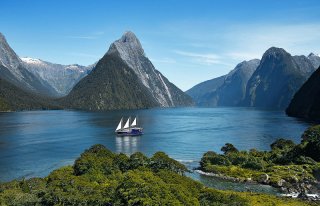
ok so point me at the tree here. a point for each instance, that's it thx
(228, 148)
(311, 134)
(212, 158)
(311, 140)
(282, 144)
(138, 160)
(161, 160)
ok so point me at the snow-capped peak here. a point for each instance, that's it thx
(30, 60)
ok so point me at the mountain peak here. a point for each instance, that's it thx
(275, 51)
(313, 54)
(127, 45)
(129, 36)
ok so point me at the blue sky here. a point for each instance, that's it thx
(188, 41)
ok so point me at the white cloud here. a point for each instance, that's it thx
(202, 58)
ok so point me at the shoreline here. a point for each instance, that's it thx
(314, 196)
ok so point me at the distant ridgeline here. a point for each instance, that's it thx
(269, 83)
(293, 168)
(100, 177)
(123, 79)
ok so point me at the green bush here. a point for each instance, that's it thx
(282, 144)
(228, 148)
(138, 160)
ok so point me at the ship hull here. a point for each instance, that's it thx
(130, 132)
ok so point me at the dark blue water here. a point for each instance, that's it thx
(36, 142)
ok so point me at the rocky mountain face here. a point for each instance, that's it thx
(228, 90)
(125, 79)
(13, 71)
(306, 102)
(199, 91)
(315, 59)
(61, 78)
(277, 79)
(129, 49)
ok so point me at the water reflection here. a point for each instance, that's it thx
(127, 144)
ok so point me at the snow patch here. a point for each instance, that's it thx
(29, 60)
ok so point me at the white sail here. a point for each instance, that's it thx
(134, 123)
(127, 124)
(120, 124)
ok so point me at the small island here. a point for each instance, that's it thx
(294, 168)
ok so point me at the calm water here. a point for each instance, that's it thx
(36, 142)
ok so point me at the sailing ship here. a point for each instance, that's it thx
(129, 129)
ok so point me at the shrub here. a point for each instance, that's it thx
(138, 160)
(160, 160)
(282, 144)
(228, 148)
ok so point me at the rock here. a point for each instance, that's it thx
(280, 183)
(264, 178)
(303, 195)
(295, 179)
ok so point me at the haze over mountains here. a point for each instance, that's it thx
(270, 83)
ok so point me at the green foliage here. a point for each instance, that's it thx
(311, 140)
(97, 158)
(138, 160)
(282, 144)
(13, 98)
(286, 161)
(102, 178)
(213, 158)
(211, 197)
(162, 161)
(4, 105)
(228, 148)
(254, 163)
(312, 134)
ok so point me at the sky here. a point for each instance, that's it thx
(189, 41)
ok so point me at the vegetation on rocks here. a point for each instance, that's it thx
(101, 177)
(289, 166)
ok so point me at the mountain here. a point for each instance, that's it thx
(125, 79)
(277, 79)
(12, 70)
(232, 89)
(12, 98)
(198, 91)
(306, 102)
(61, 78)
(315, 59)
